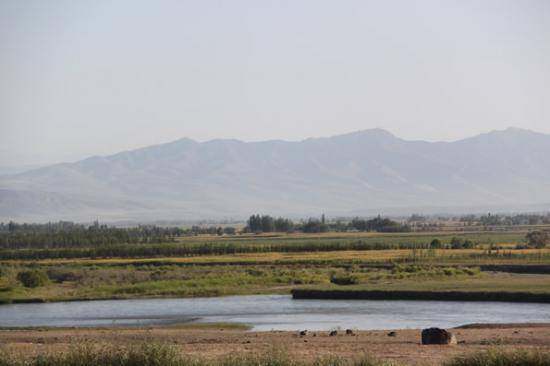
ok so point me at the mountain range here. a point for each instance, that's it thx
(359, 173)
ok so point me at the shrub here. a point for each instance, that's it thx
(468, 244)
(62, 275)
(538, 239)
(458, 243)
(32, 278)
(344, 279)
(449, 271)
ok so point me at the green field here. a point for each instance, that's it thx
(277, 263)
(281, 243)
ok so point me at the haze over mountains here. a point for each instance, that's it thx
(358, 173)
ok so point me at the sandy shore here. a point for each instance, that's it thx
(216, 342)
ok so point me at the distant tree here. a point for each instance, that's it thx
(314, 225)
(229, 230)
(254, 223)
(378, 224)
(267, 224)
(538, 239)
(468, 244)
(416, 218)
(283, 225)
(436, 244)
(456, 243)
(260, 223)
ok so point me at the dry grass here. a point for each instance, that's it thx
(460, 256)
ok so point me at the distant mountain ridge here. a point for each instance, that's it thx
(355, 173)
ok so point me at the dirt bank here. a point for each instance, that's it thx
(217, 342)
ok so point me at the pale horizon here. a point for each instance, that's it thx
(95, 78)
(32, 165)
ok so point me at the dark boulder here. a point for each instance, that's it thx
(333, 333)
(437, 336)
(392, 334)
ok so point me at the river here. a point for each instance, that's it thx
(272, 312)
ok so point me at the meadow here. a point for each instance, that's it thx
(279, 243)
(275, 263)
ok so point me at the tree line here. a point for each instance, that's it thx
(507, 220)
(68, 234)
(266, 223)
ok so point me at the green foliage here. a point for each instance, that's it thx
(266, 224)
(538, 239)
(379, 224)
(403, 271)
(32, 278)
(246, 244)
(211, 248)
(436, 244)
(460, 243)
(68, 234)
(344, 279)
(313, 225)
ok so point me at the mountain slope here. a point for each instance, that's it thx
(352, 173)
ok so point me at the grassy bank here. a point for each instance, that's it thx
(471, 286)
(502, 358)
(217, 266)
(151, 354)
(341, 294)
(74, 281)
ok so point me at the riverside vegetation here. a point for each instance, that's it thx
(61, 261)
(65, 261)
(153, 354)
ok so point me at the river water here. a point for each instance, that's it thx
(272, 312)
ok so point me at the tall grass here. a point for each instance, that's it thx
(503, 358)
(151, 354)
(148, 354)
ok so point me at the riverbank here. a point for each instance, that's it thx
(279, 273)
(357, 294)
(216, 341)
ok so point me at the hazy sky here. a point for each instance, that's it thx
(95, 77)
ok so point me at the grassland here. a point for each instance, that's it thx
(277, 263)
(148, 354)
(281, 243)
